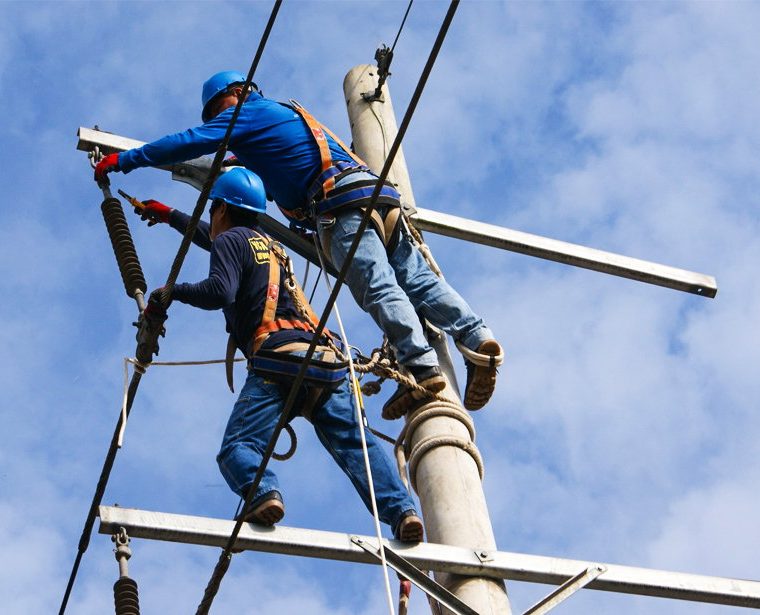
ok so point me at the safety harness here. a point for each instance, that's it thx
(278, 363)
(323, 197)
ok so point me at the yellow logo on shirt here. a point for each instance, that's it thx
(260, 249)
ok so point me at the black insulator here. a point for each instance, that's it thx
(123, 246)
(125, 597)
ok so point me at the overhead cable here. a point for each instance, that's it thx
(224, 559)
(172, 278)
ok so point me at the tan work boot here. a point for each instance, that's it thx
(481, 380)
(404, 399)
(410, 528)
(268, 509)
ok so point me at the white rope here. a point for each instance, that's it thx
(120, 439)
(143, 367)
(480, 359)
(360, 420)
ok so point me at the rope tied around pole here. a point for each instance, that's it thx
(406, 453)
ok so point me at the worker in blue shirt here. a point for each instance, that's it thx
(321, 185)
(240, 282)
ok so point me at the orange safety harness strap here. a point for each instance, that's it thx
(318, 131)
(269, 323)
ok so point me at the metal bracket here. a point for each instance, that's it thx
(567, 589)
(418, 577)
(122, 552)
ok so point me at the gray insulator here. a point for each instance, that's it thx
(123, 247)
(125, 597)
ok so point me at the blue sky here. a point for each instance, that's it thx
(625, 425)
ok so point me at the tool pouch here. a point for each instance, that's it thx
(281, 364)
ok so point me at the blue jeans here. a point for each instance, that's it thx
(252, 423)
(394, 288)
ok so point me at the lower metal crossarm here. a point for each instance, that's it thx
(418, 577)
(567, 589)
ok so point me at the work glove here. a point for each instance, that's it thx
(105, 166)
(158, 301)
(154, 212)
(150, 325)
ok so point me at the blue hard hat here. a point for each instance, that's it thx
(216, 84)
(241, 188)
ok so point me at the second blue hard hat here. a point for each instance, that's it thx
(241, 188)
(215, 85)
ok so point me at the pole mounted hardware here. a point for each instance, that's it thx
(383, 57)
(125, 595)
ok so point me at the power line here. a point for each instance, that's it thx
(401, 27)
(225, 558)
(384, 57)
(84, 540)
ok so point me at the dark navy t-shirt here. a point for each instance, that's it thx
(237, 282)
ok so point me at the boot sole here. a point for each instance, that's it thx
(411, 530)
(483, 380)
(267, 513)
(402, 404)
(436, 384)
(398, 407)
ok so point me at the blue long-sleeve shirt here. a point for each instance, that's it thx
(237, 283)
(269, 138)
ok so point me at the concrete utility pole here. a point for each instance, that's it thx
(444, 463)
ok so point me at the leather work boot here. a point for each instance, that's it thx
(404, 399)
(481, 380)
(410, 528)
(267, 509)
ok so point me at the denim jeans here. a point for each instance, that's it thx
(394, 288)
(252, 423)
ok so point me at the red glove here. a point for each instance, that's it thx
(106, 165)
(158, 301)
(154, 212)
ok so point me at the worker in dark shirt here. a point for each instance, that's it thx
(267, 325)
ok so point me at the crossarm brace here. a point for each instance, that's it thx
(416, 576)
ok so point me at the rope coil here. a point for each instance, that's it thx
(480, 359)
(406, 453)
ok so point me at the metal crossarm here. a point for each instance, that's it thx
(565, 253)
(419, 578)
(430, 556)
(192, 172)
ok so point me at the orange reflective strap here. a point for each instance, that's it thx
(270, 324)
(318, 132)
(279, 324)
